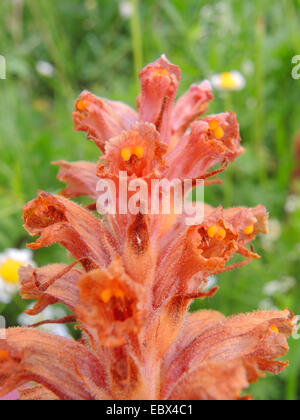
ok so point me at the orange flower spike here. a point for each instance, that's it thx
(139, 273)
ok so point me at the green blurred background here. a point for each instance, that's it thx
(93, 45)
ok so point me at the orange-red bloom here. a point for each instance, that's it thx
(133, 278)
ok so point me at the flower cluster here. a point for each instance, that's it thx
(134, 276)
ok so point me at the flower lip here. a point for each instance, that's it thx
(109, 304)
(213, 237)
(138, 151)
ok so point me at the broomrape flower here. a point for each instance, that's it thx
(10, 262)
(233, 80)
(134, 276)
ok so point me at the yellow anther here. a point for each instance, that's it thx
(227, 81)
(216, 129)
(219, 133)
(106, 295)
(274, 329)
(126, 154)
(249, 230)
(160, 72)
(221, 234)
(119, 294)
(9, 271)
(3, 355)
(212, 231)
(81, 106)
(213, 125)
(138, 152)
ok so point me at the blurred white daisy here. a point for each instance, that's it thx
(292, 204)
(45, 69)
(10, 262)
(49, 313)
(125, 9)
(282, 286)
(232, 80)
(267, 305)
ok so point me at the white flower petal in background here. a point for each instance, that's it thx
(45, 69)
(10, 262)
(271, 288)
(282, 286)
(50, 313)
(274, 234)
(233, 80)
(5, 296)
(267, 305)
(125, 9)
(292, 204)
(248, 67)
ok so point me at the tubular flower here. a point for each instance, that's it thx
(133, 279)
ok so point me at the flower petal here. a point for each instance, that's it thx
(213, 381)
(64, 367)
(211, 141)
(249, 222)
(63, 290)
(57, 219)
(196, 251)
(36, 393)
(109, 304)
(190, 106)
(193, 325)
(80, 178)
(12, 396)
(255, 340)
(138, 254)
(159, 82)
(138, 151)
(101, 118)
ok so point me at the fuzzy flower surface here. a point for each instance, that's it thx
(134, 276)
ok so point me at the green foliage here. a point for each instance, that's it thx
(91, 47)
